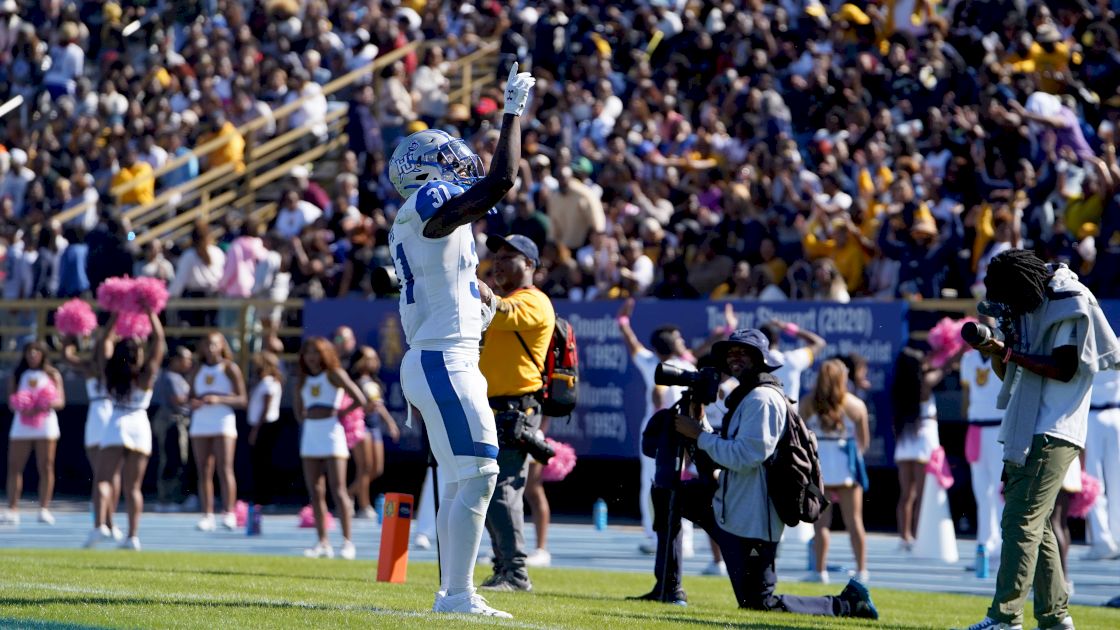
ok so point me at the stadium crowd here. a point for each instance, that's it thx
(793, 150)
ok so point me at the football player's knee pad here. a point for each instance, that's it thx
(475, 493)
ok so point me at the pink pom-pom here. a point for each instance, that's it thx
(241, 513)
(945, 340)
(307, 518)
(46, 395)
(75, 318)
(1082, 502)
(116, 295)
(150, 294)
(561, 464)
(22, 401)
(133, 326)
(33, 405)
(354, 423)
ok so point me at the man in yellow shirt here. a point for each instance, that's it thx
(233, 151)
(512, 360)
(133, 168)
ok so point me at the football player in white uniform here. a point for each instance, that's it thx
(441, 303)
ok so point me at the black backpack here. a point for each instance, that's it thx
(793, 472)
(560, 373)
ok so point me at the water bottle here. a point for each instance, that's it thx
(599, 515)
(379, 507)
(812, 555)
(981, 561)
(253, 520)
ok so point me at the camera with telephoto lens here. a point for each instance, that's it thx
(702, 384)
(1008, 323)
(517, 431)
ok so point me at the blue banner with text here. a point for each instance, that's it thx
(613, 396)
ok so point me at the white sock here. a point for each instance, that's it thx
(468, 512)
(443, 528)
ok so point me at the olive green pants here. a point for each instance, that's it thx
(1030, 551)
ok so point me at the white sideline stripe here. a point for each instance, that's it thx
(203, 599)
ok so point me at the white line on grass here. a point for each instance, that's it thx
(205, 599)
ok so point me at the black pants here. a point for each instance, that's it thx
(263, 478)
(505, 518)
(750, 561)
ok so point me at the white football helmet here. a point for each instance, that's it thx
(433, 155)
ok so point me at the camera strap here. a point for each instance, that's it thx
(529, 353)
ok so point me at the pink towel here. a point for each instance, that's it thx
(972, 444)
(938, 466)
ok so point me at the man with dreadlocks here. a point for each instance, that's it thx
(1055, 338)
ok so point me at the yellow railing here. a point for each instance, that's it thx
(218, 191)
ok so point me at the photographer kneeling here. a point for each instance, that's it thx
(740, 515)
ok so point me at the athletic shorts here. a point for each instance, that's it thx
(450, 392)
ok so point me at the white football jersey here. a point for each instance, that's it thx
(440, 304)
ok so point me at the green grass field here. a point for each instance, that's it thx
(113, 589)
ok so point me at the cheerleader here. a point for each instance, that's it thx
(369, 454)
(322, 445)
(217, 388)
(839, 421)
(982, 448)
(126, 443)
(916, 435)
(99, 410)
(30, 432)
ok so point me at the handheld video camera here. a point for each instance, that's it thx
(702, 384)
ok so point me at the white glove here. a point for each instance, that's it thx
(518, 87)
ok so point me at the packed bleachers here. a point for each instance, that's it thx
(795, 150)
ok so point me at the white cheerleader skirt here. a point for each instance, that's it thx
(97, 419)
(131, 429)
(213, 421)
(1071, 483)
(324, 437)
(48, 430)
(918, 446)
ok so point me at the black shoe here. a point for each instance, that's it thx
(507, 583)
(677, 599)
(859, 602)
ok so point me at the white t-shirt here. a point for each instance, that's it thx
(1064, 410)
(290, 222)
(647, 363)
(794, 363)
(983, 387)
(268, 386)
(1106, 388)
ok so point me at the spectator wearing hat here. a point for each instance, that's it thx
(309, 190)
(67, 62)
(513, 360)
(739, 514)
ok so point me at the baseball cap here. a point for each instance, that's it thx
(750, 338)
(522, 244)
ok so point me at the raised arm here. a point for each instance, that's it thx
(633, 346)
(156, 348)
(477, 201)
